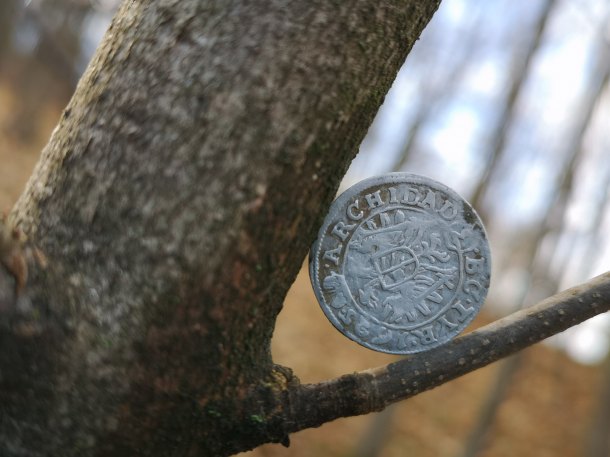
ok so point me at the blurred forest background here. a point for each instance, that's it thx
(507, 102)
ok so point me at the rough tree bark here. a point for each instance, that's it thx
(172, 208)
(175, 203)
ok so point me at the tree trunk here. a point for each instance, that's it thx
(174, 204)
(168, 216)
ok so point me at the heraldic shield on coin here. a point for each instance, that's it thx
(401, 264)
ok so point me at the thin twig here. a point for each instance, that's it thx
(311, 405)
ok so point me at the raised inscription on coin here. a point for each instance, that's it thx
(401, 263)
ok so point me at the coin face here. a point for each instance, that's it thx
(401, 263)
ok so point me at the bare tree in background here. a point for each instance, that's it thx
(552, 221)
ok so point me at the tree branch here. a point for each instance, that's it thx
(311, 405)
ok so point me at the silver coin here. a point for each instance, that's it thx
(401, 263)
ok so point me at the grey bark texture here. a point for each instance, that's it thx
(174, 205)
